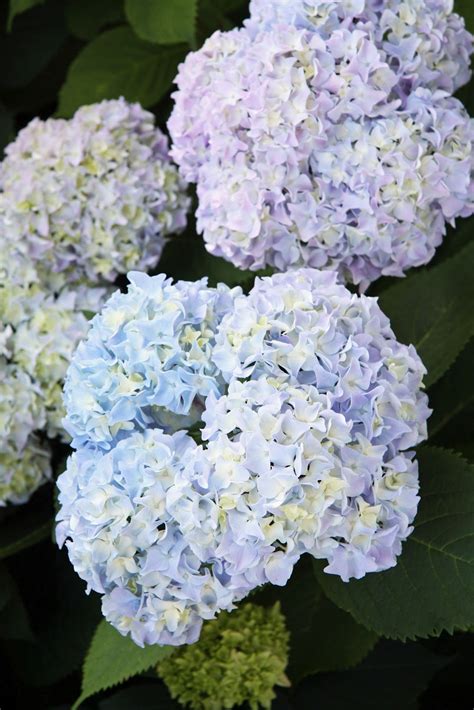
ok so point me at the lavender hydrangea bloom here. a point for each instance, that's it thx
(303, 155)
(351, 407)
(307, 445)
(93, 196)
(423, 41)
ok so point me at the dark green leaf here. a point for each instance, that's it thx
(63, 634)
(466, 9)
(454, 392)
(431, 589)
(432, 309)
(322, 636)
(200, 263)
(37, 37)
(333, 641)
(86, 17)
(14, 622)
(392, 677)
(116, 64)
(210, 18)
(231, 5)
(17, 7)
(164, 22)
(113, 658)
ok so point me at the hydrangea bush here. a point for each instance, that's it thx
(245, 502)
(306, 151)
(311, 409)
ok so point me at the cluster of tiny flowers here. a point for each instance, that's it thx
(93, 196)
(306, 153)
(147, 360)
(293, 413)
(240, 658)
(80, 202)
(38, 334)
(423, 41)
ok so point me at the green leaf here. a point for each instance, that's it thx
(19, 6)
(322, 636)
(392, 677)
(36, 39)
(14, 622)
(210, 18)
(231, 5)
(63, 631)
(431, 589)
(116, 64)
(454, 392)
(113, 658)
(85, 18)
(432, 309)
(200, 263)
(333, 641)
(466, 9)
(163, 22)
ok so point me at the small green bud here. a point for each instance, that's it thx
(240, 657)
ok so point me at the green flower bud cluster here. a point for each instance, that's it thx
(240, 657)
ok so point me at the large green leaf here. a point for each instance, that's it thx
(115, 64)
(454, 392)
(86, 17)
(16, 7)
(163, 22)
(113, 658)
(332, 641)
(392, 677)
(432, 309)
(431, 589)
(36, 39)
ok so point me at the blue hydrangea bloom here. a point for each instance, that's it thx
(146, 361)
(310, 410)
